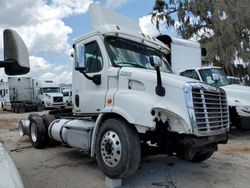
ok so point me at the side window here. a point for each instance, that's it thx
(190, 74)
(93, 57)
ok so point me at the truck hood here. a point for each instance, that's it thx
(150, 76)
(53, 94)
(237, 95)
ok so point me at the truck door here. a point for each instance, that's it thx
(89, 97)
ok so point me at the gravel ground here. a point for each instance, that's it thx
(59, 167)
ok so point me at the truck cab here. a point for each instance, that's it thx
(50, 95)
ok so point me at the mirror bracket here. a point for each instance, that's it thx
(96, 78)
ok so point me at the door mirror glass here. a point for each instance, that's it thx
(16, 56)
(79, 57)
(155, 61)
(203, 52)
(216, 77)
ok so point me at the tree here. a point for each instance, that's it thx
(221, 26)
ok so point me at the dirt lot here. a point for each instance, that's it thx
(60, 167)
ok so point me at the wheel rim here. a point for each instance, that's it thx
(20, 129)
(111, 149)
(33, 132)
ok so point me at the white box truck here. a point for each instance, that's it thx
(127, 101)
(186, 60)
(27, 94)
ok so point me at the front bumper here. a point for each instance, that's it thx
(243, 122)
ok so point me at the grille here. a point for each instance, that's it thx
(57, 99)
(211, 111)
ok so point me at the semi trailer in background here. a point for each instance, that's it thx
(4, 91)
(27, 94)
(186, 59)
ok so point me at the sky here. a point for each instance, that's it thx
(49, 27)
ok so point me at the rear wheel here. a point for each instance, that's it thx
(117, 149)
(47, 120)
(37, 132)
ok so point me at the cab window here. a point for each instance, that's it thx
(190, 74)
(93, 58)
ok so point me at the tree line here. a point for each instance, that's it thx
(221, 26)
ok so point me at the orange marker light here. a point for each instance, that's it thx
(109, 101)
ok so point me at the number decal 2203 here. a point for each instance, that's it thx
(126, 74)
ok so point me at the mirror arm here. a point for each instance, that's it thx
(159, 90)
(96, 78)
(6, 63)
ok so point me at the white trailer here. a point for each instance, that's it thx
(20, 97)
(4, 93)
(27, 94)
(186, 60)
(127, 101)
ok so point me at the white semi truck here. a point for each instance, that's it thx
(127, 101)
(67, 94)
(27, 94)
(50, 95)
(186, 60)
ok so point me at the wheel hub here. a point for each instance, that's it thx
(33, 133)
(111, 148)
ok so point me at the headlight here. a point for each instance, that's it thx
(245, 108)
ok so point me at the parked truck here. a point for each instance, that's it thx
(4, 91)
(186, 59)
(127, 101)
(27, 94)
(67, 94)
(50, 95)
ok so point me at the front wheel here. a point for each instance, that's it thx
(201, 157)
(117, 149)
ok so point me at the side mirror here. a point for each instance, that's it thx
(203, 52)
(16, 56)
(155, 61)
(79, 57)
(216, 77)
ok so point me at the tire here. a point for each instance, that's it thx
(32, 115)
(47, 120)
(201, 157)
(37, 132)
(17, 108)
(13, 108)
(22, 109)
(118, 149)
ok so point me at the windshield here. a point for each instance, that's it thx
(125, 53)
(51, 90)
(206, 75)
